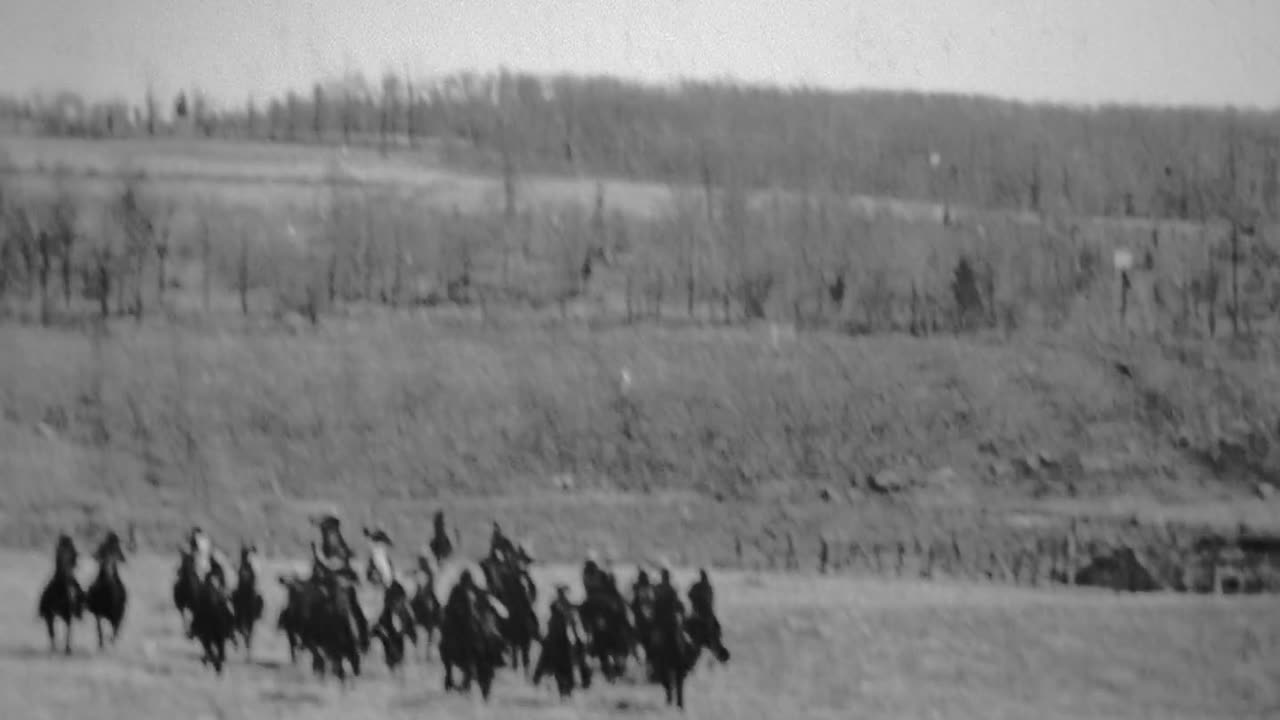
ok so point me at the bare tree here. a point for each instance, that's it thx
(135, 222)
(62, 228)
(151, 109)
(318, 112)
(163, 216)
(390, 102)
(204, 233)
(251, 118)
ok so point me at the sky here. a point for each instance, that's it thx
(1182, 52)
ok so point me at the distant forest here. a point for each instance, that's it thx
(1113, 160)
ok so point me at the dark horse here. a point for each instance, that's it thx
(562, 649)
(295, 615)
(394, 624)
(107, 597)
(673, 652)
(609, 631)
(511, 585)
(425, 607)
(62, 597)
(337, 623)
(213, 620)
(246, 601)
(186, 587)
(470, 639)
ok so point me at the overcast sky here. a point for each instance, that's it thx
(1152, 51)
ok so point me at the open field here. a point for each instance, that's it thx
(803, 647)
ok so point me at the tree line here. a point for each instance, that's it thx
(1110, 160)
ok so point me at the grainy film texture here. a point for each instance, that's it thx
(639, 359)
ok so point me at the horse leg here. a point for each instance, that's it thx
(584, 670)
(485, 678)
(339, 670)
(98, 620)
(564, 682)
(215, 656)
(680, 675)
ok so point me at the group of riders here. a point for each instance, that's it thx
(652, 604)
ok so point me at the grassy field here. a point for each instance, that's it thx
(803, 647)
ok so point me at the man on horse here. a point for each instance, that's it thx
(642, 603)
(593, 578)
(65, 554)
(461, 597)
(334, 549)
(666, 600)
(564, 643)
(702, 606)
(500, 547)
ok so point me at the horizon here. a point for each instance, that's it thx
(1086, 53)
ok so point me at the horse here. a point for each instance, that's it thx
(642, 618)
(512, 586)
(394, 624)
(193, 566)
(674, 651)
(470, 640)
(213, 619)
(339, 630)
(292, 618)
(107, 597)
(246, 601)
(425, 607)
(604, 618)
(562, 649)
(185, 589)
(347, 579)
(62, 597)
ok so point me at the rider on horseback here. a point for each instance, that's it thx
(702, 605)
(500, 548)
(334, 550)
(641, 593)
(65, 554)
(562, 610)
(462, 596)
(593, 578)
(666, 601)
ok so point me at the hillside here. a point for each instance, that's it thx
(396, 416)
(303, 339)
